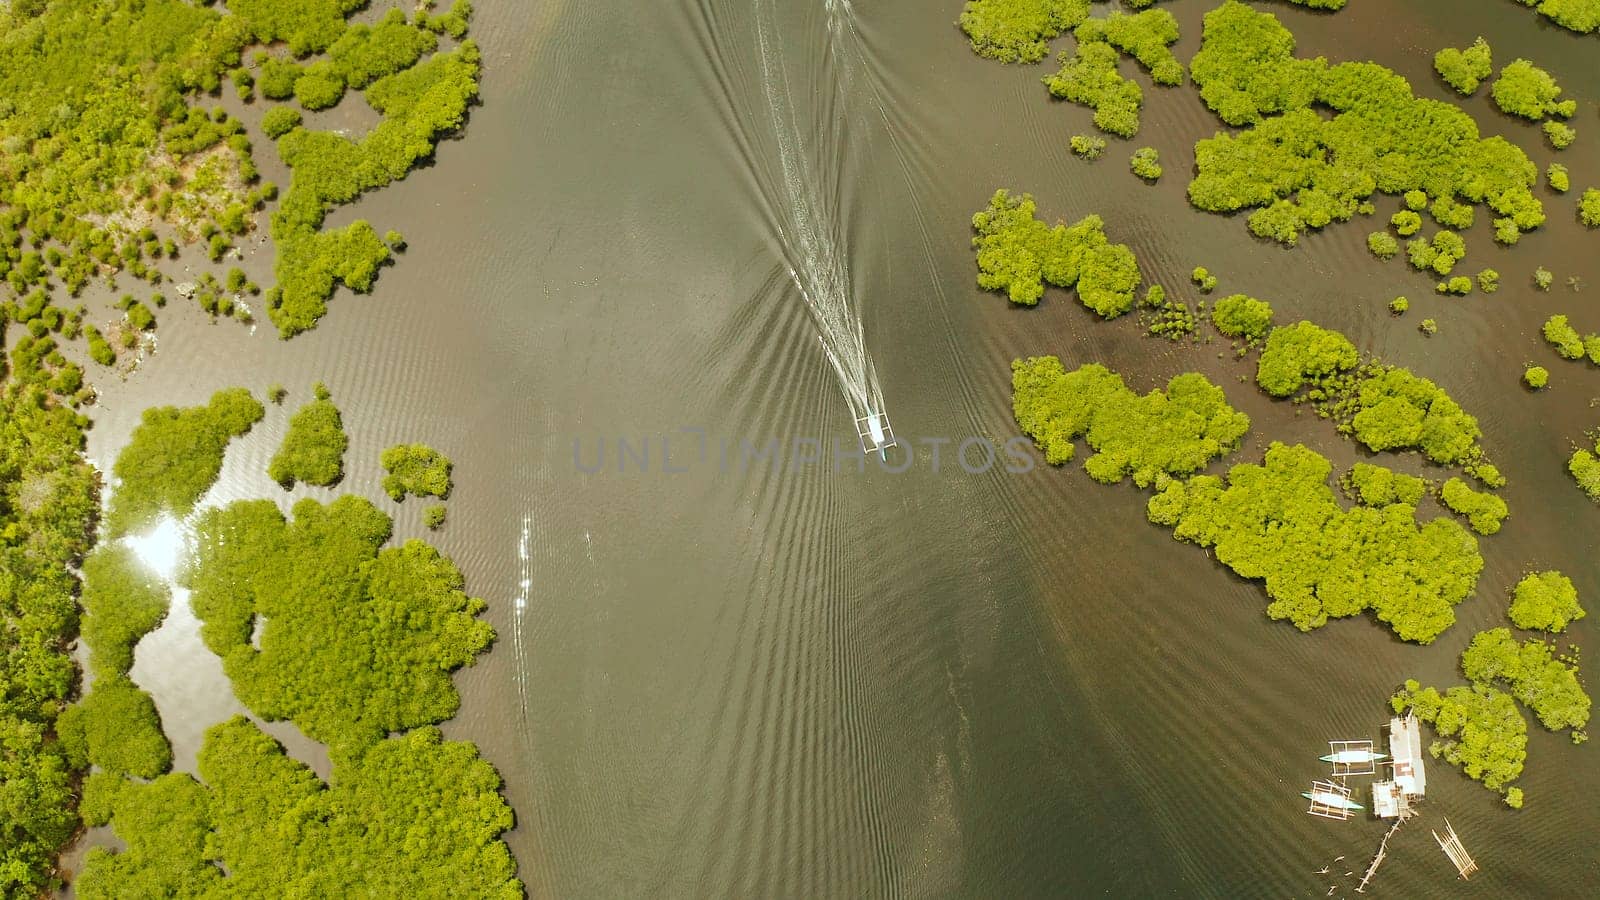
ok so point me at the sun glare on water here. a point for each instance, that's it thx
(160, 548)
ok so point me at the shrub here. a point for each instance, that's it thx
(1543, 278)
(1399, 305)
(415, 469)
(1146, 163)
(1465, 69)
(1589, 208)
(1150, 437)
(1484, 511)
(1242, 317)
(1488, 281)
(1545, 601)
(1302, 352)
(116, 727)
(1533, 676)
(1365, 559)
(1536, 377)
(1479, 728)
(1203, 279)
(1016, 30)
(326, 593)
(1019, 254)
(320, 86)
(174, 456)
(1383, 245)
(279, 121)
(1377, 486)
(313, 450)
(1087, 146)
(1089, 78)
(1559, 135)
(433, 516)
(1406, 223)
(1523, 89)
(1562, 336)
(1558, 179)
(122, 602)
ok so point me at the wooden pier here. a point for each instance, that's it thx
(1383, 850)
(1451, 845)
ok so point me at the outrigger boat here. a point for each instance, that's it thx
(1352, 757)
(1329, 798)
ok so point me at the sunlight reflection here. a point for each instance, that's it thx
(160, 548)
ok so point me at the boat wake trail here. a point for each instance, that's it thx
(814, 240)
(519, 609)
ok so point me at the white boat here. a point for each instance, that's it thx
(1351, 757)
(1329, 798)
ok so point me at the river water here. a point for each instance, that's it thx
(739, 681)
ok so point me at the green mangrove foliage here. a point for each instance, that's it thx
(1480, 731)
(1147, 37)
(174, 456)
(434, 516)
(1536, 377)
(1545, 601)
(1485, 512)
(1557, 177)
(313, 450)
(1301, 353)
(48, 499)
(418, 105)
(1582, 16)
(355, 642)
(1280, 522)
(1465, 69)
(1146, 163)
(415, 469)
(1523, 89)
(1298, 168)
(1439, 255)
(1568, 343)
(1530, 672)
(1151, 437)
(115, 727)
(1019, 254)
(1397, 410)
(1377, 486)
(1585, 467)
(1589, 208)
(1240, 316)
(409, 816)
(122, 602)
(1087, 146)
(1089, 78)
(1016, 30)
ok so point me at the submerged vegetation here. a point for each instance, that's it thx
(313, 450)
(1300, 169)
(1019, 254)
(1151, 437)
(174, 457)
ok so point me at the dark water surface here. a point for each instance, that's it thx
(806, 683)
